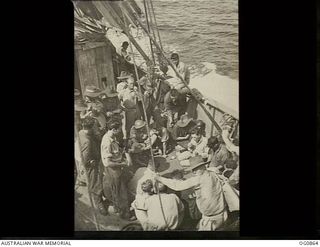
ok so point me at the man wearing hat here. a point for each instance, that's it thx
(181, 130)
(208, 190)
(92, 91)
(139, 143)
(138, 132)
(109, 100)
(123, 51)
(91, 160)
(122, 81)
(112, 108)
(92, 99)
(95, 109)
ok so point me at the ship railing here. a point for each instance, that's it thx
(217, 111)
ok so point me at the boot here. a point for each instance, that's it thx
(128, 216)
(102, 209)
(98, 201)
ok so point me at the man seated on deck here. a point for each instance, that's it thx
(201, 126)
(222, 160)
(182, 70)
(218, 152)
(196, 146)
(123, 51)
(175, 106)
(228, 128)
(136, 182)
(181, 132)
(209, 194)
(159, 214)
(139, 145)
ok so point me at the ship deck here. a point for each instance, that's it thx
(84, 219)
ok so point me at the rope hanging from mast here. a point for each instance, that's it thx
(148, 25)
(152, 28)
(156, 25)
(147, 127)
(150, 14)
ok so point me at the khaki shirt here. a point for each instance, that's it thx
(173, 212)
(110, 150)
(182, 70)
(121, 86)
(208, 189)
(200, 147)
(220, 157)
(129, 98)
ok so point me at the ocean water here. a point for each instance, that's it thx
(202, 32)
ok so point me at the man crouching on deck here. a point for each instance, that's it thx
(209, 195)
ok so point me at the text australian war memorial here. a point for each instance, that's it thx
(156, 146)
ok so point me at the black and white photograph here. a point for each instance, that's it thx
(156, 115)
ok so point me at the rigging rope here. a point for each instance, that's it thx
(156, 25)
(151, 22)
(179, 76)
(152, 28)
(147, 127)
(148, 25)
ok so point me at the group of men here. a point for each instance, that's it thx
(118, 131)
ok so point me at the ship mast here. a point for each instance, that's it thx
(121, 12)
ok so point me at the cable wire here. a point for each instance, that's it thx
(155, 21)
(148, 25)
